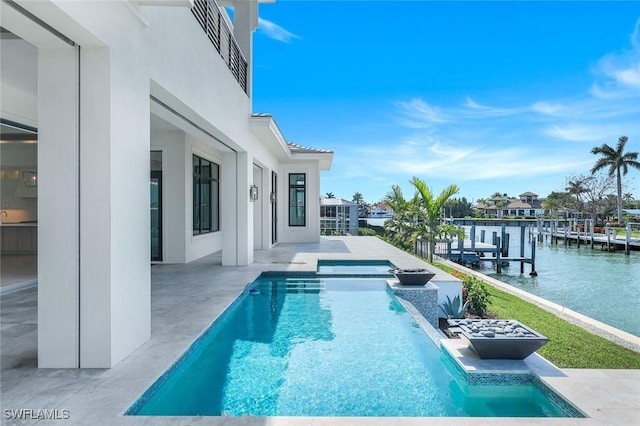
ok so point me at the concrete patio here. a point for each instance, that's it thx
(186, 298)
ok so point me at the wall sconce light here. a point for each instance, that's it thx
(272, 197)
(253, 193)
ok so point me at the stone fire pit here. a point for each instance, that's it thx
(500, 339)
(412, 276)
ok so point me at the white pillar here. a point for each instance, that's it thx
(58, 204)
(237, 213)
(93, 266)
(115, 275)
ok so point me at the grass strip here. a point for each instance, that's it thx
(569, 346)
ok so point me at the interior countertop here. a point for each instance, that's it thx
(19, 224)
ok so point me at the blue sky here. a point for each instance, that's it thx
(491, 96)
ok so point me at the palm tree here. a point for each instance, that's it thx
(428, 209)
(618, 162)
(402, 222)
(577, 187)
(329, 195)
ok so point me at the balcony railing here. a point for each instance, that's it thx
(210, 19)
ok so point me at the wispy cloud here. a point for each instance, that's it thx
(547, 108)
(620, 71)
(275, 31)
(480, 111)
(583, 132)
(416, 113)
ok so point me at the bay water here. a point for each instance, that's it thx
(599, 284)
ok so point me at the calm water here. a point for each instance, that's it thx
(602, 285)
(327, 347)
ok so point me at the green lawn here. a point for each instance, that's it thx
(569, 346)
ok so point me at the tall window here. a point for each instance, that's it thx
(206, 196)
(297, 192)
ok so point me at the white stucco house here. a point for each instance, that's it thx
(147, 151)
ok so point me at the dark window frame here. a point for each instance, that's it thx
(297, 192)
(205, 211)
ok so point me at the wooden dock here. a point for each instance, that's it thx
(608, 243)
(473, 252)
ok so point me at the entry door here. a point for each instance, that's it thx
(274, 208)
(156, 215)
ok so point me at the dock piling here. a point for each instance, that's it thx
(533, 272)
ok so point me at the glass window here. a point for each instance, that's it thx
(297, 195)
(206, 196)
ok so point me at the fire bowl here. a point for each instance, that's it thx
(500, 339)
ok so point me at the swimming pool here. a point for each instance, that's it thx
(325, 347)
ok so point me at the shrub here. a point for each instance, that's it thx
(452, 309)
(367, 231)
(476, 294)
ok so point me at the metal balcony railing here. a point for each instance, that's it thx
(210, 19)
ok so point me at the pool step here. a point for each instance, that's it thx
(304, 286)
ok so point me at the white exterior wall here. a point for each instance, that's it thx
(95, 135)
(311, 232)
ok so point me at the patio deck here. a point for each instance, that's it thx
(185, 298)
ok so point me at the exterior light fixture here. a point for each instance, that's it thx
(253, 193)
(272, 197)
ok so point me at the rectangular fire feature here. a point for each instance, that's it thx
(499, 338)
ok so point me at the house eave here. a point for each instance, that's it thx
(265, 129)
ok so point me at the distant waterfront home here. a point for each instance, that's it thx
(492, 207)
(338, 217)
(527, 206)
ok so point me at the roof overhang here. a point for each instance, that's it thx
(265, 129)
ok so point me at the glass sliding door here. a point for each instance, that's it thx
(156, 206)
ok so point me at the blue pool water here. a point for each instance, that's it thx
(325, 347)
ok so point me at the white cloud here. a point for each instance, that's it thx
(419, 114)
(275, 31)
(546, 108)
(582, 132)
(478, 110)
(620, 71)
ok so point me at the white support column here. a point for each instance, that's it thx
(229, 221)
(244, 209)
(115, 278)
(237, 213)
(58, 216)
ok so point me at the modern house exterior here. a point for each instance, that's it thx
(338, 217)
(526, 205)
(147, 151)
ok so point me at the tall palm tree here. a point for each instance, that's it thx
(428, 209)
(577, 187)
(618, 162)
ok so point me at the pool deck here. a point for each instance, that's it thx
(187, 297)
